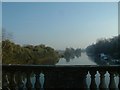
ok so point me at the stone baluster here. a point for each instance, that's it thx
(12, 81)
(93, 85)
(102, 85)
(28, 83)
(119, 81)
(112, 84)
(37, 81)
(20, 81)
(5, 81)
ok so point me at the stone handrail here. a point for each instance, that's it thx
(57, 76)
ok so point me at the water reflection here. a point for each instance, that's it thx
(97, 60)
(71, 53)
(71, 57)
(81, 59)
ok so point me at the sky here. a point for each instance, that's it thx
(0, 14)
(60, 0)
(119, 18)
(60, 25)
(0, 21)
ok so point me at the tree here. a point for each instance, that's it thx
(108, 46)
(16, 54)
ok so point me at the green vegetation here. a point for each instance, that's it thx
(29, 54)
(109, 47)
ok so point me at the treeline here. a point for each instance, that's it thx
(110, 47)
(29, 54)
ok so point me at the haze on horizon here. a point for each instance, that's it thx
(60, 25)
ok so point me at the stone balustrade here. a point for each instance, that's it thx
(56, 76)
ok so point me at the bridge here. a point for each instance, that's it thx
(58, 76)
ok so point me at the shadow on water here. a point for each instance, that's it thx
(97, 60)
(100, 61)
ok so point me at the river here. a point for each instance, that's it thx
(81, 60)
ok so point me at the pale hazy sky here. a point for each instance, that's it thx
(60, 25)
(60, 0)
(0, 20)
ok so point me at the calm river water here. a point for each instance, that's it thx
(82, 60)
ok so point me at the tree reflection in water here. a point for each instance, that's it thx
(72, 56)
